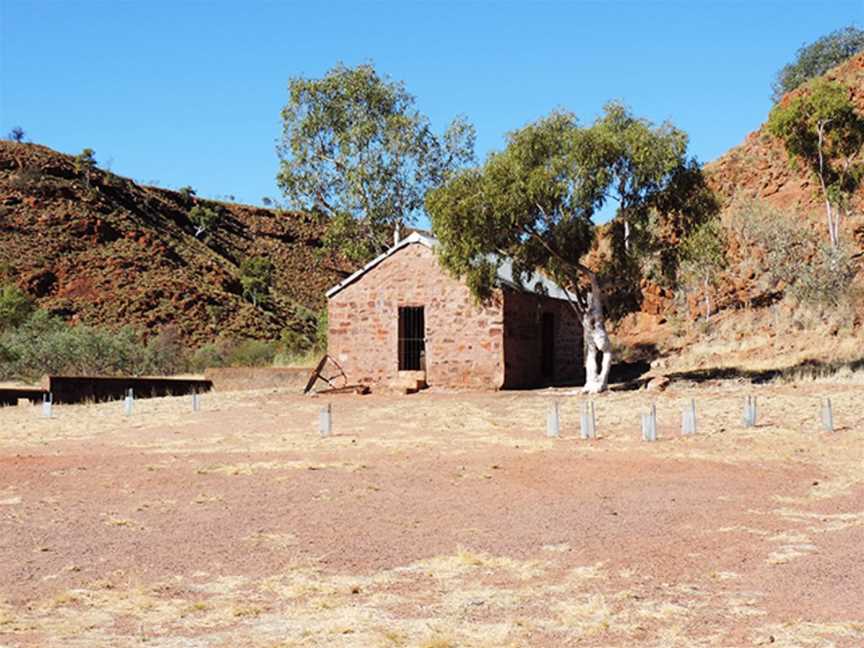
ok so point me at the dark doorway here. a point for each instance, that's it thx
(412, 338)
(547, 346)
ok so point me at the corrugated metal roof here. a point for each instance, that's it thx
(536, 283)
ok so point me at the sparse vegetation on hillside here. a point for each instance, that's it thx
(256, 276)
(817, 58)
(821, 128)
(704, 255)
(16, 134)
(15, 308)
(796, 260)
(120, 254)
(205, 219)
(356, 149)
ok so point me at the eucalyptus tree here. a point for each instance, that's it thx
(817, 58)
(641, 159)
(821, 128)
(704, 255)
(355, 149)
(532, 203)
(536, 203)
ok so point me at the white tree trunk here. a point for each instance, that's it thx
(596, 339)
(707, 300)
(626, 235)
(590, 356)
(833, 230)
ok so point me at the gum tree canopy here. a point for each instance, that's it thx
(821, 128)
(535, 203)
(355, 149)
(817, 58)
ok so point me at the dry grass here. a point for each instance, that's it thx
(467, 596)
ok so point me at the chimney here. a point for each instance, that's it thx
(397, 234)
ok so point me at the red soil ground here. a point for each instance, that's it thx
(433, 520)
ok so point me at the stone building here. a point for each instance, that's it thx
(402, 318)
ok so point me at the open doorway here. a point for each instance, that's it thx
(547, 346)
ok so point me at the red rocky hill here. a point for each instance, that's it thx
(760, 167)
(101, 249)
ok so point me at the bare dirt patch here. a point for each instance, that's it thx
(433, 520)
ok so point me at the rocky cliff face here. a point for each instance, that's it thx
(760, 168)
(98, 248)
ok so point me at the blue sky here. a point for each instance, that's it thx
(189, 93)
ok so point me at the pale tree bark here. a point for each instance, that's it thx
(589, 309)
(707, 299)
(833, 215)
(596, 341)
(626, 235)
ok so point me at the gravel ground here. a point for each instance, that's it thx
(434, 520)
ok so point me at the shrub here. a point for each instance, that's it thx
(205, 219)
(15, 308)
(252, 353)
(85, 161)
(165, 353)
(256, 275)
(703, 254)
(810, 270)
(234, 353)
(45, 344)
(817, 58)
(16, 134)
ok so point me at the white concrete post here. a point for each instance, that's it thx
(553, 421)
(325, 421)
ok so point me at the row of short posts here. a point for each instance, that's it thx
(649, 424)
(128, 403)
(588, 419)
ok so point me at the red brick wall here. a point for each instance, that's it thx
(465, 342)
(522, 340)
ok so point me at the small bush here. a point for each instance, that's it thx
(205, 219)
(256, 275)
(252, 353)
(234, 353)
(809, 269)
(16, 134)
(15, 308)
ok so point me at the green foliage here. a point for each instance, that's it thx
(205, 219)
(256, 275)
(640, 161)
(796, 260)
(321, 331)
(355, 149)
(16, 134)
(43, 344)
(704, 251)
(46, 344)
(84, 161)
(821, 127)
(15, 307)
(535, 201)
(817, 58)
(703, 255)
(537, 194)
(234, 353)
